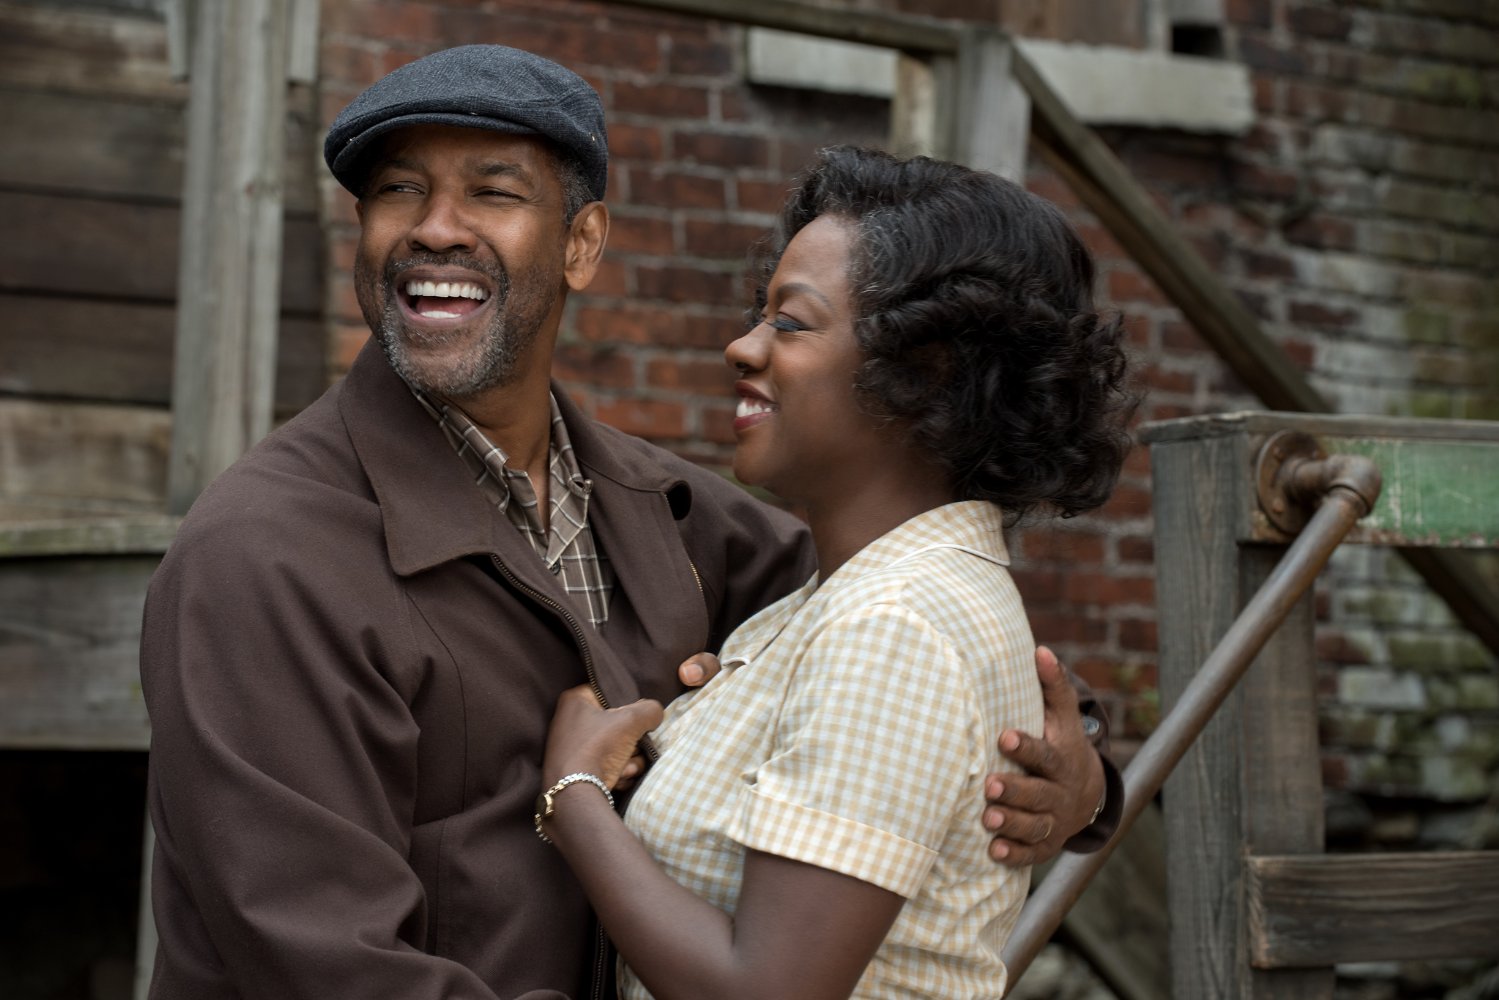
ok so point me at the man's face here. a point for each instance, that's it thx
(461, 256)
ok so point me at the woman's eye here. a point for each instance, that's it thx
(785, 324)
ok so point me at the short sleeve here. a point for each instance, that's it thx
(876, 746)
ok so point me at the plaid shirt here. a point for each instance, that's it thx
(851, 728)
(567, 545)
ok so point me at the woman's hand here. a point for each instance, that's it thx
(587, 737)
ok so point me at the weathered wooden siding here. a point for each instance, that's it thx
(90, 184)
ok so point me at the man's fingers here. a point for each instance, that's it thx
(1057, 692)
(1018, 826)
(698, 669)
(1036, 756)
(1025, 794)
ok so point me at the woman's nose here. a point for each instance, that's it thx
(747, 353)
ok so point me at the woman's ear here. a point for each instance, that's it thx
(585, 244)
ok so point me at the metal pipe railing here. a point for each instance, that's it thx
(1352, 486)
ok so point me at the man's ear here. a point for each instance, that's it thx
(585, 244)
(359, 210)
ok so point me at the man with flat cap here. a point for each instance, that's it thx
(353, 648)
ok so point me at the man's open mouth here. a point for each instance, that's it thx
(443, 299)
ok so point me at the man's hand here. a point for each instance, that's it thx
(1032, 815)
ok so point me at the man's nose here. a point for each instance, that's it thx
(442, 227)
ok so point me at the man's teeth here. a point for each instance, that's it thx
(751, 405)
(446, 290)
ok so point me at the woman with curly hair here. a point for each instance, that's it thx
(925, 367)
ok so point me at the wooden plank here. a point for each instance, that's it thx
(80, 535)
(69, 652)
(121, 352)
(77, 454)
(104, 248)
(1436, 493)
(1320, 425)
(1197, 502)
(85, 51)
(230, 266)
(1373, 907)
(115, 146)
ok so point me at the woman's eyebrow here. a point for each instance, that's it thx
(793, 287)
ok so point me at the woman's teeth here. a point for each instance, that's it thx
(751, 405)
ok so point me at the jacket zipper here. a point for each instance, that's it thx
(572, 624)
(600, 941)
(600, 959)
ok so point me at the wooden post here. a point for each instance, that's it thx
(229, 274)
(991, 113)
(1252, 781)
(920, 111)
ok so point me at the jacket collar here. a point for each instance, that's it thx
(432, 511)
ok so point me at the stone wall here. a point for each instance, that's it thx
(1358, 219)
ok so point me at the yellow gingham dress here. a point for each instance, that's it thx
(851, 728)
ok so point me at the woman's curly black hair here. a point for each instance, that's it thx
(975, 312)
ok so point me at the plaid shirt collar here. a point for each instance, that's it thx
(566, 545)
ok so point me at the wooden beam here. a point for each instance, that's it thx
(231, 241)
(1320, 910)
(1106, 186)
(905, 34)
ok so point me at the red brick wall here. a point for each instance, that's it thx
(1359, 219)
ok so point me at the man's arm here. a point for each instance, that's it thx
(283, 774)
(1071, 796)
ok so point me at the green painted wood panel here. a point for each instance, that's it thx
(1435, 492)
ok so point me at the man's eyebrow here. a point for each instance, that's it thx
(395, 163)
(502, 168)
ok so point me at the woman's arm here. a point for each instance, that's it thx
(800, 931)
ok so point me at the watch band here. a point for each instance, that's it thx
(546, 807)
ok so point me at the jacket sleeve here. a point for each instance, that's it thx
(283, 771)
(750, 554)
(1096, 834)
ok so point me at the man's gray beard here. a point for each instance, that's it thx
(493, 362)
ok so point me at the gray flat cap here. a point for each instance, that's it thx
(491, 87)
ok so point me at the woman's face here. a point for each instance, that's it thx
(800, 431)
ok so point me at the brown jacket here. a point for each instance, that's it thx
(350, 659)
